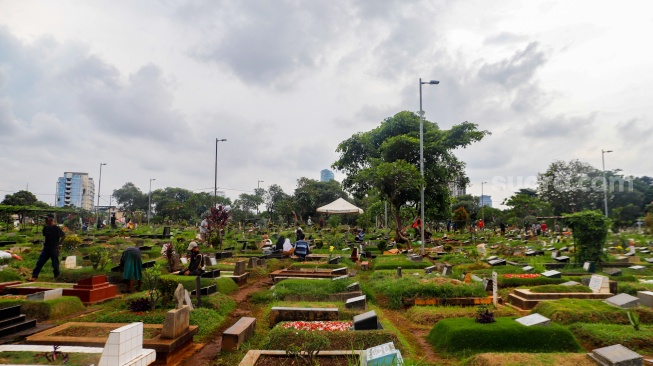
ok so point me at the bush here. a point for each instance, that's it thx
(167, 287)
(465, 336)
(139, 305)
(568, 311)
(52, 309)
(71, 243)
(603, 335)
(278, 337)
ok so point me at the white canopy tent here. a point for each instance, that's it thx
(340, 206)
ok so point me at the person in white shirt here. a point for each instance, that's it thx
(204, 227)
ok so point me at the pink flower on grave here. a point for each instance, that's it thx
(328, 326)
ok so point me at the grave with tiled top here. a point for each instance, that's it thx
(616, 355)
(623, 301)
(90, 290)
(526, 300)
(125, 347)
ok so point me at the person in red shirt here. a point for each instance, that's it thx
(543, 227)
(480, 224)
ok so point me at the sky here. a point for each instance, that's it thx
(147, 86)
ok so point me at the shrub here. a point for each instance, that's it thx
(52, 309)
(381, 246)
(71, 243)
(99, 258)
(465, 336)
(568, 311)
(151, 278)
(140, 305)
(529, 282)
(166, 287)
(590, 232)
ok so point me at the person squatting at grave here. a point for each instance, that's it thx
(288, 249)
(300, 234)
(54, 237)
(131, 264)
(195, 261)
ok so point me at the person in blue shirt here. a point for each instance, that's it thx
(302, 249)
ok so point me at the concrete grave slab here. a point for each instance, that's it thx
(125, 347)
(534, 319)
(645, 298)
(46, 295)
(623, 301)
(552, 274)
(358, 302)
(616, 355)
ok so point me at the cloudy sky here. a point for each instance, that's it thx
(147, 87)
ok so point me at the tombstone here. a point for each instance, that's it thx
(253, 263)
(184, 260)
(429, 269)
(480, 248)
(125, 347)
(564, 249)
(213, 261)
(415, 258)
(491, 258)
(179, 296)
(623, 301)
(570, 283)
(176, 322)
(621, 259)
(645, 298)
(399, 272)
(650, 260)
(632, 250)
(366, 321)
(166, 231)
(187, 299)
(534, 319)
(637, 268)
(497, 262)
(589, 267)
(353, 287)
(528, 268)
(358, 302)
(563, 259)
(240, 268)
(261, 262)
(12, 321)
(446, 271)
(488, 284)
(552, 274)
(46, 295)
(612, 271)
(384, 354)
(555, 254)
(530, 253)
(340, 278)
(616, 355)
(334, 260)
(71, 262)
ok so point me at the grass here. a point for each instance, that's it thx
(52, 309)
(529, 282)
(279, 337)
(463, 336)
(38, 358)
(569, 311)
(429, 315)
(603, 335)
(311, 289)
(531, 359)
(391, 262)
(560, 289)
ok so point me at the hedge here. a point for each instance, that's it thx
(52, 309)
(569, 311)
(392, 262)
(466, 336)
(429, 315)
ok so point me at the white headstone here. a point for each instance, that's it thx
(623, 301)
(534, 319)
(494, 289)
(187, 299)
(213, 261)
(632, 249)
(184, 260)
(125, 347)
(616, 355)
(552, 274)
(637, 268)
(71, 262)
(645, 298)
(599, 284)
(46, 295)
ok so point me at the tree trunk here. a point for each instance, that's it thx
(399, 237)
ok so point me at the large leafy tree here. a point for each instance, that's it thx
(311, 194)
(277, 202)
(571, 186)
(394, 146)
(20, 198)
(130, 198)
(173, 204)
(524, 208)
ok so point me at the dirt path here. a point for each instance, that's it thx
(209, 351)
(416, 336)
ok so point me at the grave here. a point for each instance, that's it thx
(354, 287)
(12, 321)
(211, 273)
(45, 295)
(534, 319)
(222, 255)
(623, 301)
(71, 262)
(341, 296)
(415, 258)
(429, 269)
(621, 259)
(555, 254)
(340, 278)
(384, 354)
(358, 302)
(367, 321)
(589, 267)
(612, 271)
(339, 271)
(649, 260)
(497, 262)
(564, 249)
(335, 260)
(491, 258)
(176, 323)
(239, 333)
(213, 261)
(645, 298)
(208, 290)
(125, 347)
(616, 355)
(552, 274)
(280, 314)
(90, 290)
(528, 269)
(148, 264)
(637, 268)
(526, 300)
(563, 259)
(253, 263)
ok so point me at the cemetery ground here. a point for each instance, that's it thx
(279, 311)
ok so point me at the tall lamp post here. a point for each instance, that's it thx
(605, 181)
(149, 202)
(215, 187)
(421, 157)
(482, 204)
(257, 188)
(99, 184)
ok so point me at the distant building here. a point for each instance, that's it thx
(456, 189)
(75, 189)
(326, 175)
(485, 200)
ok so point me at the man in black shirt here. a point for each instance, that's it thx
(195, 262)
(53, 239)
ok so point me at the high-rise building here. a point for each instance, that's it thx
(456, 189)
(485, 200)
(326, 175)
(76, 189)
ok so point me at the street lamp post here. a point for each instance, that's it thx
(99, 184)
(421, 158)
(605, 181)
(257, 188)
(149, 202)
(215, 187)
(482, 204)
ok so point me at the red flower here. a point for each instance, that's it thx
(329, 326)
(524, 275)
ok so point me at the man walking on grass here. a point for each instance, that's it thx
(54, 237)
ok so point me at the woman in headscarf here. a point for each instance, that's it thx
(279, 244)
(288, 249)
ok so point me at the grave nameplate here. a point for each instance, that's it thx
(240, 268)
(184, 260)
(46, 295)
(491, 258)
(534, 319)
(358, 302)
(589, 267)
(555, 254)
(637, 268)
(340, 278)
(353, 287)
(623, 301)
(214, 262)
(612, 271)
(366, 321)
(562, 258)
(552, 274)
(71, 262)
(497, 262)
(429, 269)
(385, 354)
(528, 268)
(645, 298)
(616, 355)
(564, 249)
(622, 259)
(599, 284)
(650, 260)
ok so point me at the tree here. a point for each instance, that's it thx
(524, 208)
(20, 198)
(590, 232)
(397, 139)
(130, 198)
(311, 194)
(571, 186)
(470, 203)
(172, 204)
(460, 217)
(276, 200)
